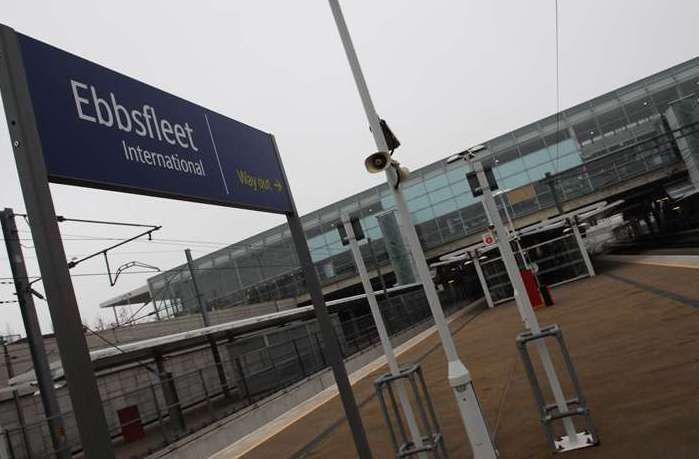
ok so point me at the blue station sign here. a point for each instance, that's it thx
(101, 129)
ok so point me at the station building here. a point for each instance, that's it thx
(638, 144)
(619, 142)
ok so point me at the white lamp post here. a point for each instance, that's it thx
(459, 376)
(573, 439)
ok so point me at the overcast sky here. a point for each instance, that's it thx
(445, 73)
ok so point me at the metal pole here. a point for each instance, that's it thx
(195, 286)
(34, 337)
(77, 365)
(18, 402)
(481, 277)
(513, 231)
(581, 246)
(205, 316)
(375, 261)
(549, 180)
(459, 376)
(383, 334)
(522, 299)
(332, 349)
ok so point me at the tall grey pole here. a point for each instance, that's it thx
(36, 341)
(195, 286)
(549, 180)
(205, 316)
(383, 336)
(581, 246)
(521, 298)
(375, 261)
(63, 306)
(332, 350)
(18, 402)
(459, 377)
(481, 277)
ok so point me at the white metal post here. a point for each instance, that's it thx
(515, 236)
(383, 335)
(522, 299)
(459, 376)
(583, 249)
(481, 277)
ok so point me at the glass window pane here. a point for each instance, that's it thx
(437, 182)
(586, 131)
(536, 158)
(507, 156)
(418, 203)
(569, 161)
(537, 173)
(445, 207)
(664, 97)
(412, 191)
(440, 195)
(531, 146)
(557, 137)
(456, 173)
(509, 168)
(515, 181)
(423, 215)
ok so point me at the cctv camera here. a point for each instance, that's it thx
(491, 227)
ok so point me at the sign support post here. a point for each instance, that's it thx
(332, 350)
(83, 124)
(458, 375)
(63, 306)
(40, 362)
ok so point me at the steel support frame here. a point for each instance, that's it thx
(572, 439)
(433, 440)
(550, 412)
(35, 338)
(404, 400)
(26, 144)
(333, 352)
(458, 375)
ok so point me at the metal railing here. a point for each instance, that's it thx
(148, 409)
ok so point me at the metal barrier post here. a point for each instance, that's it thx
(156, 404)
(212, 413)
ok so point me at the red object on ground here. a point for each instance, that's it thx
(532, 289)
(131, 425)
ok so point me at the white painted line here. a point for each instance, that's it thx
(670, 261)
(223, 177)
(269, 430)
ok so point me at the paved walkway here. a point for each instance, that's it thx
(633, 332)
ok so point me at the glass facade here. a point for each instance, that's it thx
(594, 145)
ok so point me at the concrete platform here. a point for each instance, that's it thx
(633, 333)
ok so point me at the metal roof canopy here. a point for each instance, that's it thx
(129, 353)
(545, 225)
(139, 295)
